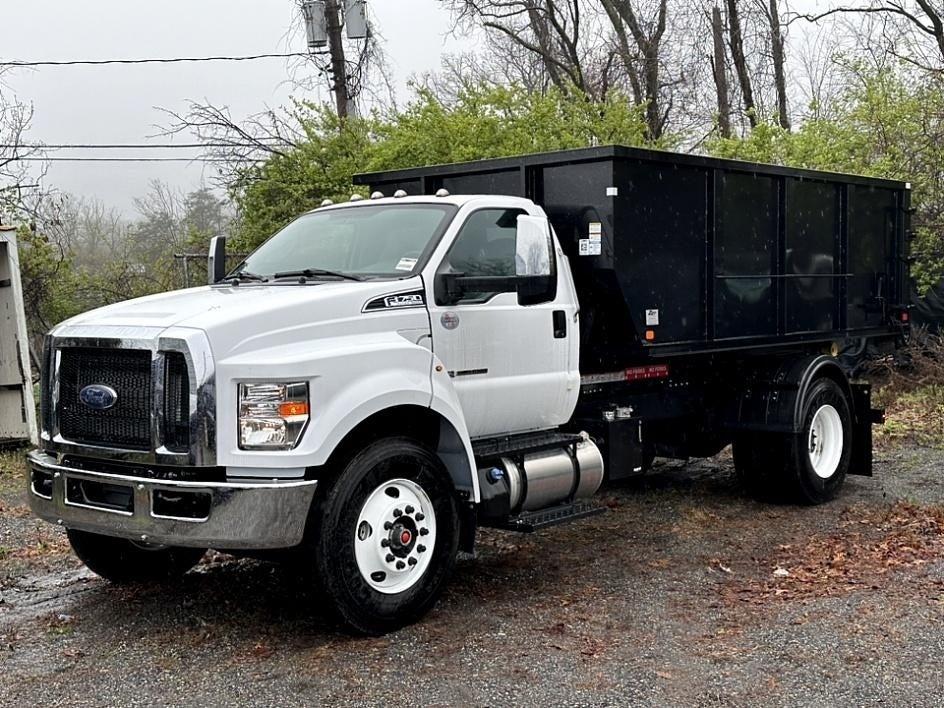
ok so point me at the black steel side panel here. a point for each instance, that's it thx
(700, 255)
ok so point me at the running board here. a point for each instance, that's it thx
(531, 521)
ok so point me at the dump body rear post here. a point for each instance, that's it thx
(480, 344)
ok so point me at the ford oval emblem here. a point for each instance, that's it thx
(98, 397)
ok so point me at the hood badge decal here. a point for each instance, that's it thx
(396, 301)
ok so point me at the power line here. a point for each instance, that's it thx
(137, 146)
(131, 159)
(171, 60)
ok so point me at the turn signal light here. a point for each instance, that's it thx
(290, 408)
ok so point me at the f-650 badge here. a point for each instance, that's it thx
(396, 302)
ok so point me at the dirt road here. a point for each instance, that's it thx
(685, 593)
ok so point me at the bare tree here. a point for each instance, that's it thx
(643, 58)
(736, 38)
(921, 21)
(821, 80)
(778, 58)
(720, 70)
(16, 175)
(235, 145)
(552, 30)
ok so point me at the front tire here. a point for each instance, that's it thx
(386, 536)
(121, 561)
(809, 467)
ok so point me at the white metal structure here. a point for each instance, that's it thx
(17, 407)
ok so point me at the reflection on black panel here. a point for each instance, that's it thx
(661, 247)
(745, 238)
(572, 201)
(503, 182)
(812, 232)
(871, 229)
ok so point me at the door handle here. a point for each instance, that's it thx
(560, 324)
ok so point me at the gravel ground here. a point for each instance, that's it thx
(685, 593)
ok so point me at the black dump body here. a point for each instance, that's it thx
(678, 254)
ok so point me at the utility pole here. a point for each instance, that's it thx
(339, 77)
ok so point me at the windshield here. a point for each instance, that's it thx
(381, 241)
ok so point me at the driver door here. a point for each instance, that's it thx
(508, 341)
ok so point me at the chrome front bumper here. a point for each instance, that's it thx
(244, 515)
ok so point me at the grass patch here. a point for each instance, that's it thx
(912, 392)
(12, 469)
(917, 415)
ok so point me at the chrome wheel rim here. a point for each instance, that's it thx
(825, 441)
(395, 536)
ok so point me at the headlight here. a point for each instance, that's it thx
(272, 416)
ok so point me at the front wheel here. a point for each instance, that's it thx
(121, 561)
(387, 533)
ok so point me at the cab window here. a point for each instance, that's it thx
(485, 248)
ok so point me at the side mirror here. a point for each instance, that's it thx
(216, 261)
(533, 247)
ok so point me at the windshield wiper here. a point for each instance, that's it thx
(312, 272)
(239, 276)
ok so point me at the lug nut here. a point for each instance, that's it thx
(409, 509)
(390, 558)
(397, 513)
(420, 548)
(424, 531)
(384, 542)
(401, 565)
(420, 517)
(411, 560)
(387, 526)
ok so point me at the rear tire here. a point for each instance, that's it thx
(386, 536)
(809, 467)
(121, 561)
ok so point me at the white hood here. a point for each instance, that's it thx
(233, 316)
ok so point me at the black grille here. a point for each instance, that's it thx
(127, 424)
(176, 403)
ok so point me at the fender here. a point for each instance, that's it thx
(350, 379)
(445, 402)
(771, 399)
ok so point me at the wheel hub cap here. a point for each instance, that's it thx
(395, 536)
(825, 442)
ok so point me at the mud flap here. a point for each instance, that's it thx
(863, 418)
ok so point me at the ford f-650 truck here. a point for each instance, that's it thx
(478, 344)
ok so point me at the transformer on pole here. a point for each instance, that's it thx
(316, 21)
